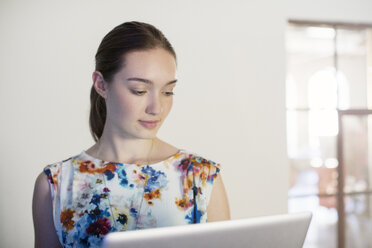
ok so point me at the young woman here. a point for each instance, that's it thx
(129, 179)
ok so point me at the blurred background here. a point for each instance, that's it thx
(329, 124)
(278, 92)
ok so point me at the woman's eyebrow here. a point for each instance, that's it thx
(148, 81)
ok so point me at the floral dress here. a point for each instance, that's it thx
(92, 197)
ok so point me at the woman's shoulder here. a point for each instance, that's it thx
(202, 162)
(199, 157)
(54, 168)
(204, 168)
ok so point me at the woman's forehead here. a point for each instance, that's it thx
(148, 58)
(150, 66)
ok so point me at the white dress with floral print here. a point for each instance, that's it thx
(92, 197)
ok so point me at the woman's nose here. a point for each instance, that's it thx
(154, 106)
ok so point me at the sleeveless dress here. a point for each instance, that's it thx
(92, 197)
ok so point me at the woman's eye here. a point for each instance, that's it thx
(141, 92)
(169, 93)
(138, 92)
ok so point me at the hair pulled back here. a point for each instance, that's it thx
(126, 37)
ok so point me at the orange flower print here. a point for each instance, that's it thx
(66, 219)
(183, 203)
(153, 195)
(88, 166)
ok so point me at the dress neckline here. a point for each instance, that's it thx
(86, 155)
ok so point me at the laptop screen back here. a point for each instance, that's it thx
(287, 230)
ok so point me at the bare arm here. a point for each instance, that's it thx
(218, 208)
(42, 213)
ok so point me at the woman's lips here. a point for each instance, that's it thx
(149, 124)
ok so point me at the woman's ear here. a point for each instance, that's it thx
(99, 84)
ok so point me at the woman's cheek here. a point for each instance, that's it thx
(131, 107)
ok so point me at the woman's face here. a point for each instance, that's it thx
(141, 93)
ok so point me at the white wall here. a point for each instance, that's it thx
(229, 103)
(356, 11)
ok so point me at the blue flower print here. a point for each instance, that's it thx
(122, 175)
(156, 180)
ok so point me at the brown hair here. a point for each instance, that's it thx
(127, 37)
